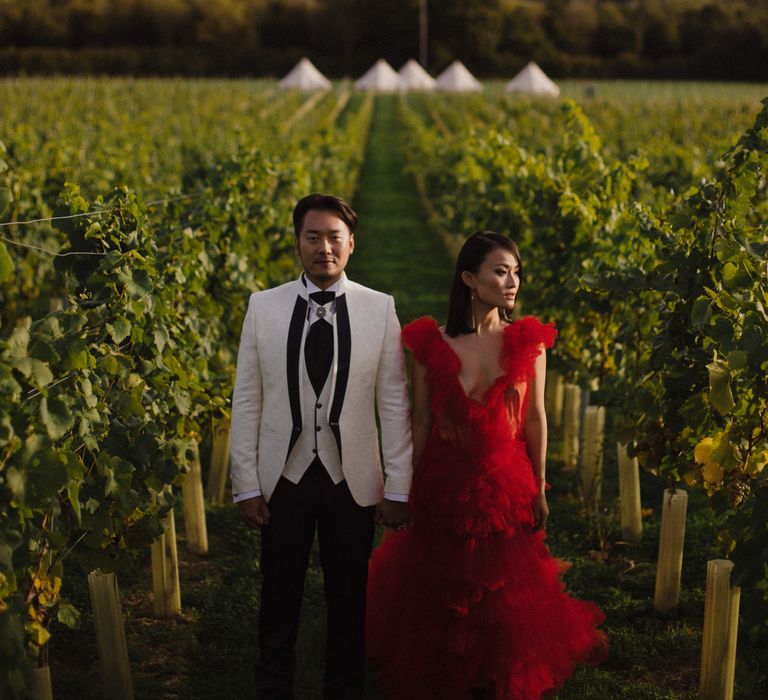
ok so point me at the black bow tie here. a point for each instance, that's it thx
(322, 298)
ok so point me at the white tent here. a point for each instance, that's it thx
(380, 76)
(532, 80)
(304, 76)
(414, 77)
(456, 78)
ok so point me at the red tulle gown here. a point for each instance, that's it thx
(469, 596)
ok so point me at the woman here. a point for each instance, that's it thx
(468, 601)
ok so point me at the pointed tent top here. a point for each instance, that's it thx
(456, 78)
(414, 77)
(304, 76)
(380, 76)
(532, 80)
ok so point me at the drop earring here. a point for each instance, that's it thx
(474, 320)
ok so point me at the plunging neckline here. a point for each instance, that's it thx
(485, 396)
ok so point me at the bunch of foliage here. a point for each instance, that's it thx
(96, 415)
(101, 400)
(664, 312)
(148, 135)
(565, 206)
(701, 412)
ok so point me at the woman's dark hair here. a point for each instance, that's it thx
(323, 202)
(475, 249)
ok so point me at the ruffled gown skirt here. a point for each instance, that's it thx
(469, 596)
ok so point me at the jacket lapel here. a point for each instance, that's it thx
(293, 355)
(343, 350)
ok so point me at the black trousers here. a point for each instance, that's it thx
(345, 534)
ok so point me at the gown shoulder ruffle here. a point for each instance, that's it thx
(523, 340)
(469, 596)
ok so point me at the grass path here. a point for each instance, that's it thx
(395, 251)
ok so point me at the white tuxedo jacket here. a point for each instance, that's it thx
(368, 373)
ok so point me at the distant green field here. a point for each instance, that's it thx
(654, 89)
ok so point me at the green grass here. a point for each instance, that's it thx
(395, 251)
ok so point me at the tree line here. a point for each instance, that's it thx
(704, 39)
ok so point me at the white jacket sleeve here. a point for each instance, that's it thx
(247, 405)
(393, 408)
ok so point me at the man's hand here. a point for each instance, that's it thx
(254, 510)
(394, 515)
(540, 511)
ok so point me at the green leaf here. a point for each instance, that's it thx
(161, 337)
(76, 355)
(17, 483)
(701, 313)
(18, 342)
(6, 264)
(720, 395)
(751, 340)
(721, 329)
(181, 399)
(736, 275)
(110, 364)
(128, 405)
(56, 417)
(68, 615)
(42, 349)
(729, 272)
(47, 474)
(737, 359)
(137, 284)
(38, 372)
(119, 330)
(725, 454)
(41, 374)
(48, 327)
(73, 495)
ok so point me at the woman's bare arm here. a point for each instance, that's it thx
(535, 431)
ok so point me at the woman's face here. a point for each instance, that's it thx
(497, 279)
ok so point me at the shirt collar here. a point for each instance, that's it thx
(312, 287)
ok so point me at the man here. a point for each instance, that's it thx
(317, 357)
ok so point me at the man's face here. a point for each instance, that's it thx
(324, 246)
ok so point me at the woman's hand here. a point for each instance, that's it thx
(540, 511)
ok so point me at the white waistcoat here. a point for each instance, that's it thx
(314, 415)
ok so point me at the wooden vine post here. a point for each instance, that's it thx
(592, 454)
(629, 496)
(110, 636)
(554, 393)
(571, 426)
(194, 505)
(721, 622)
(671, 542)
(165, 571)
(41, 678)
(217, 476)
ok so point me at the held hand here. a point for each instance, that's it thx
(254, 511)
(540, 511)
(394, 515)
